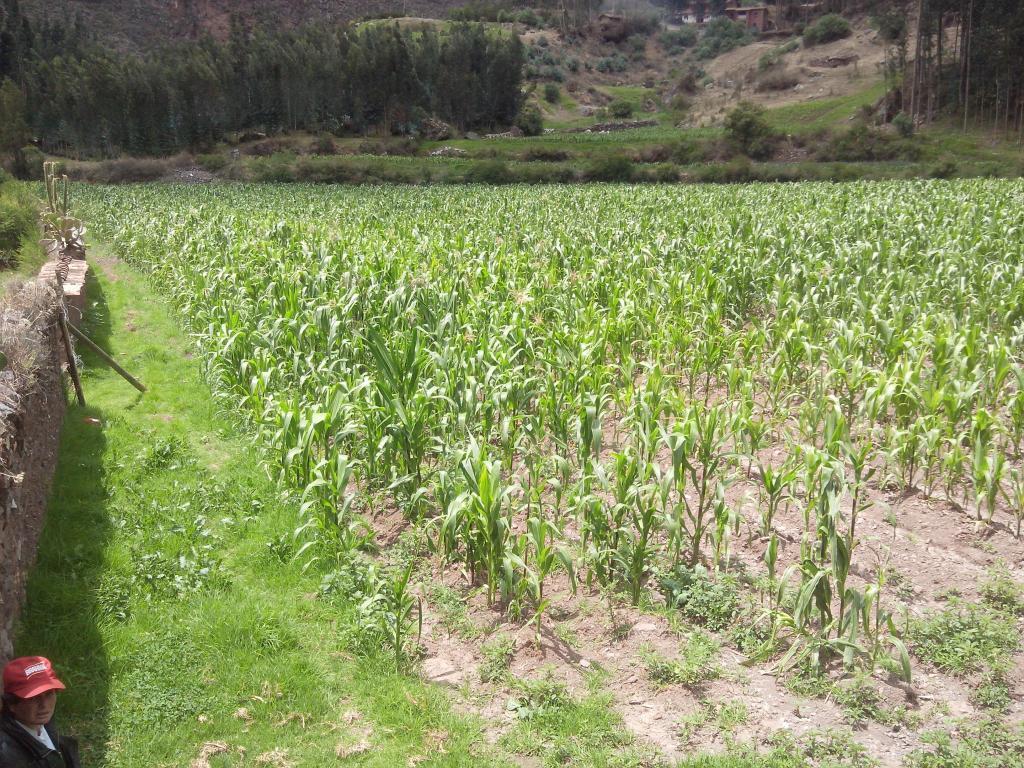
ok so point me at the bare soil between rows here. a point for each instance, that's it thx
(935, 549)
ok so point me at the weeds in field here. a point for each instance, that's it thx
(694, 666)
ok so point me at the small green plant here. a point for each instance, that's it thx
(451, 605)
(537, 697)
(988, 743)
(991, 691)
(694, 666)
(552, 93)
(497, 653)
(390, 610)
(964, 637)
(862, 701)
(1002, 592)
(712, 604)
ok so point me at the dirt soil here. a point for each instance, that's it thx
(734, 74)
(934, 548)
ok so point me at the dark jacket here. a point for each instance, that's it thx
(18, 748)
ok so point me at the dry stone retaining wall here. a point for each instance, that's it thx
(32, 404)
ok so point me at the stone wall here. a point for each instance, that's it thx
(32, 404)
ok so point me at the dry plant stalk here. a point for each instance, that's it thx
(23, 312)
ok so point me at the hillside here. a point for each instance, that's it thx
(141, 24)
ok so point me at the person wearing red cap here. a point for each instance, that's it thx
(28, 737)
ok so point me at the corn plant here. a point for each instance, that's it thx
(391, 608)
(777, 485)
(675, 345)
(988, 471)
(475, 526)
(635, 550)
(1015, 497)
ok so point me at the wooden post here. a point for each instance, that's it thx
(108, 359)
(62, 320)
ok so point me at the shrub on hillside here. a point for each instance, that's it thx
(489, 172)
(829, 27)
(324, 145)
(545, 154)
(28, 163)
(864, 144)
(551, 174)
(124, 170)
(904, 125)
(529, 18)
(621, 108)
(17, 221)
(476, 11)
(675, 41)
(552, 94)
(686, 151)
(945, 168)
(637, 43)
(747, 128)
(641, 24)
(734, 172)
(662, 173)
(616, 63)
(530, 121)
(212, 162)
(277, 168)
(688, 82)
(722, 35)
(774, 56)
(612, 168)
(776, 80)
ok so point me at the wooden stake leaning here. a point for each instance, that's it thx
(62, 320)
(107, 359)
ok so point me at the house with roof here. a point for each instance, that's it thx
(759, 17)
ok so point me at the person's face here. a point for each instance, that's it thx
(35, 711)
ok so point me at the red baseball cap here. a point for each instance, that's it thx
(29, 676)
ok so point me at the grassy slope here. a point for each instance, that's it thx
(153, 676)
(822, 114)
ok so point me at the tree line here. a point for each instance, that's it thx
(968, 58)
(80, 99)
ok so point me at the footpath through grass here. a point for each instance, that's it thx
(170, 618)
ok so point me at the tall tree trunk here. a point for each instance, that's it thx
(969, 34)
(938, 71)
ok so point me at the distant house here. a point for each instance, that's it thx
(690, 14)
(759, 17)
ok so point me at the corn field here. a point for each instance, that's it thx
(571, 379)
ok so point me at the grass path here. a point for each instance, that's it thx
(170, 618)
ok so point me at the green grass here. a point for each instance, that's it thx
(832, 749)
(987, 744)
(561, 730)
(20, 253)
(498, 653)
(965, 638)
(165, 611)
(695, 665)
(820, 114)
